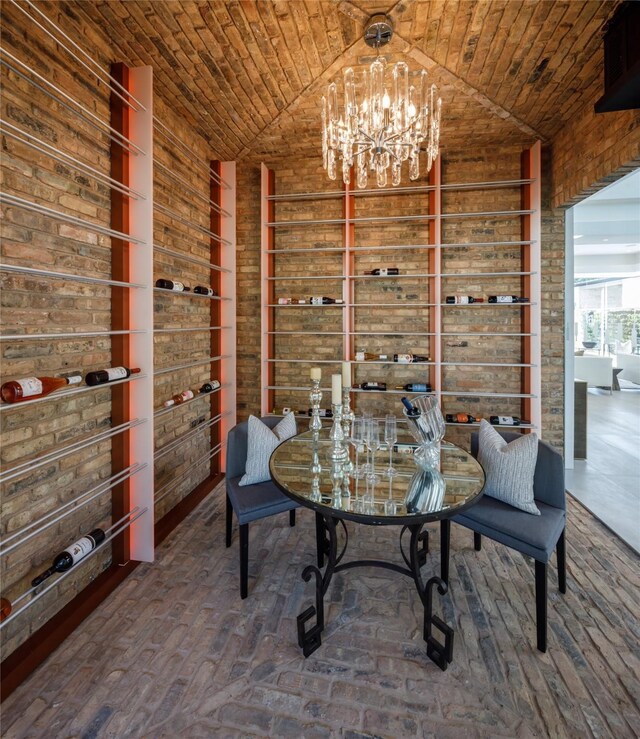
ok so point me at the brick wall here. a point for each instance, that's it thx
(592, 150)
(37, 305)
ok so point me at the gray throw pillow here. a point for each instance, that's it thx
(261, 441)
(509, 467)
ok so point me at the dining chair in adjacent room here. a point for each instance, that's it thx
(249, 502)
(535, 536)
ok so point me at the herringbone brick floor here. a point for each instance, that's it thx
(176, 653)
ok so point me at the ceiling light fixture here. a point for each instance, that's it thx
(386, 126)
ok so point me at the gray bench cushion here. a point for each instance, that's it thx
(533, 535)
(251, 502)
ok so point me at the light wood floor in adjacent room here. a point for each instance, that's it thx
(176, 653)
(608, 481)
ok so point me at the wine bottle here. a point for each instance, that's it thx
(99, 377)
(384, 271)
(412, 411)
(505, 420)
(462, 299)
(325, 301)
(71, 555)
(209, 386)
(369, 357)
(179, 398)
(172, 285)
(5, 608)
(373, 386)
(461, 418)
(292, 301)
(507, 299)
(30, 388)
(203, 290)
(322, 412)
(415, 387)
(410, 358)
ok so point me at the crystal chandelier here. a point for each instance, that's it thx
(387, 127)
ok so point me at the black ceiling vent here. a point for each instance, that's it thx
(622, 60)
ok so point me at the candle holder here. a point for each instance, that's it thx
(347, 413)
(315, 397)
(315, 468)
(338, 452)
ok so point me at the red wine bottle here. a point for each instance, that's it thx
(505, 420)
(203, 290)
(384, 271)
(179, 398)
(410, 358)
(99, 377)
(462, 299)
(71, 555)
(172, 285)
(30, 388)
(373, 386)
(461, 418)
(325, 301)
(415, 387)
(507, 299)
(209, 386)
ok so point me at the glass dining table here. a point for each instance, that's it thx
(395, 491)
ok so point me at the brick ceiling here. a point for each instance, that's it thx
(248, 75)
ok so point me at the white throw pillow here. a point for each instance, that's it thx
(261, 441)
(509, 467)
(624, 347)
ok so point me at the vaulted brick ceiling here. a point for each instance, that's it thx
(249, 75)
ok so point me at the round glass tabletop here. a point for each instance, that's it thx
(303, 470)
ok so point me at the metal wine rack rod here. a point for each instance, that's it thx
(306, 333)
(62, 394)
(394, 305)
(197, 396)
(391, 277)
(496, 425)
(304, 249)
(200, 362)
(68, 335)
(305, 305)
(163, 491)
(326, 195)
(393, 333)
(484, 333)
(305, 277)
(189, 188)
(479, 394)
(58, 514)
(189, 435)
(188, 294)
(76, 446)
(97, 71)
(177, 235)
(66, 276)
(88, 116)
(177, 217)
(487, 243)
(197, 328)
(487, 305)
(398, 218)
(307, 361)
(487, 274)
(168, 135)
(486, 364)
(89, 225)
(117, 528)
(58, 155)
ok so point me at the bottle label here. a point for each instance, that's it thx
(186, 395)
(284, 301)
(74, 379)
(404, 358)
(116, 373)
(30, 386)
(504, 299)
(80, 548)
(359, 356)
(178, 286)
(506, 420)
(418, 388)
(383, 272)
(462, 299)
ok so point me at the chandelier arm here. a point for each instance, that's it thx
(366, 135)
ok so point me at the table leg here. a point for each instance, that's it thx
(310, 638)
(440, 653)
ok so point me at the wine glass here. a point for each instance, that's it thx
(390, 437)
(372, 440)
(356, 439)
(366, 420)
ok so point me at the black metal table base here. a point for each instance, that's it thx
(311, 620)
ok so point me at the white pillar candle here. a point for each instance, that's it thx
(346, 374)
(336, 389)
(316, 373)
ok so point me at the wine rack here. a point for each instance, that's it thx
(80, 257)
(484, 358)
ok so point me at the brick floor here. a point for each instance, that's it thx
(175, 652)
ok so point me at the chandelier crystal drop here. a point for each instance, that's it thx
(388, 125)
